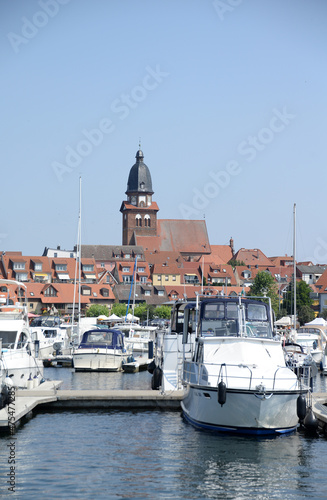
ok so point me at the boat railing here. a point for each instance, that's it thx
(213, 373)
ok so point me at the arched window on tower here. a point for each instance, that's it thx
(138, 220)
(147, 221)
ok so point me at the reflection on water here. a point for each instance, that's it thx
(154, 454)
(98, 380)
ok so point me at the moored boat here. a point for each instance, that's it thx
(237, 380)
(20, 359)
(100, 350)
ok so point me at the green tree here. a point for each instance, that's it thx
(305, 314)
(96, 310)
(119, 309)
(141, 311)
(163, 312)
(303, 292)
(235, 263)
(264, 285)
(323, 313)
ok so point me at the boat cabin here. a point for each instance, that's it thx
(102, 338)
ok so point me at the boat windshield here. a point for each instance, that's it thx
(8, 338)
(222, 319)
(107, 338)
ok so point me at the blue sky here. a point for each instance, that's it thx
(228, 98)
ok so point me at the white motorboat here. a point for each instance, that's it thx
(19, 352)
(237, 380)
(100, 350)
(53, 335)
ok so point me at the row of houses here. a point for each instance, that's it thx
(106, 272)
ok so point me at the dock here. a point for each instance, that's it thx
(48, 396)
(139, 364)
(25, 401)
(319, 408)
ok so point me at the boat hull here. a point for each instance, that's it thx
(245, 412)
(95, 360)
(23, 369)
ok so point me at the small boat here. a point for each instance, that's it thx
(19, 358)
(237, 380)
(54, 337)
(100, 350)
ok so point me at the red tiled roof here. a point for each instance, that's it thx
(177, 235)
(252, 257)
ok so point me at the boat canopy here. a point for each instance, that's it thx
(102, 338)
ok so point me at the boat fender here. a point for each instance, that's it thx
(221, 393)
(301, 407)
(4, 397)
(310, 422)
(156, 378)
(151, 367)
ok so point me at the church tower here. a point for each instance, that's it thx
(139, 211)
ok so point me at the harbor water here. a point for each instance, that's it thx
(110, 454)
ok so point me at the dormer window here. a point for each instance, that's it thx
(18, 265)
(38, 266)
(50, 292)
(142, 185)
(61, 267)
(87, 268)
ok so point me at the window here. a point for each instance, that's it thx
(159, 277)
(127, 256)
(126, 269)
(160, 293)
(55, 255)
(102, 264)
(21, 276)
(87, 268)
(50, 292)
(147, 220)
(147, 292)
(143, 279)
(86, 290)
(38, 266)
(174, 277)
(71, 255)
(141, 269)
(166, 277)
(18, 265)
(61, 267)
(127, 279)
(104, 292)
(138, 220)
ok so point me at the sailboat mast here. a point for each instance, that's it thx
(294, 263)
(79, 253)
